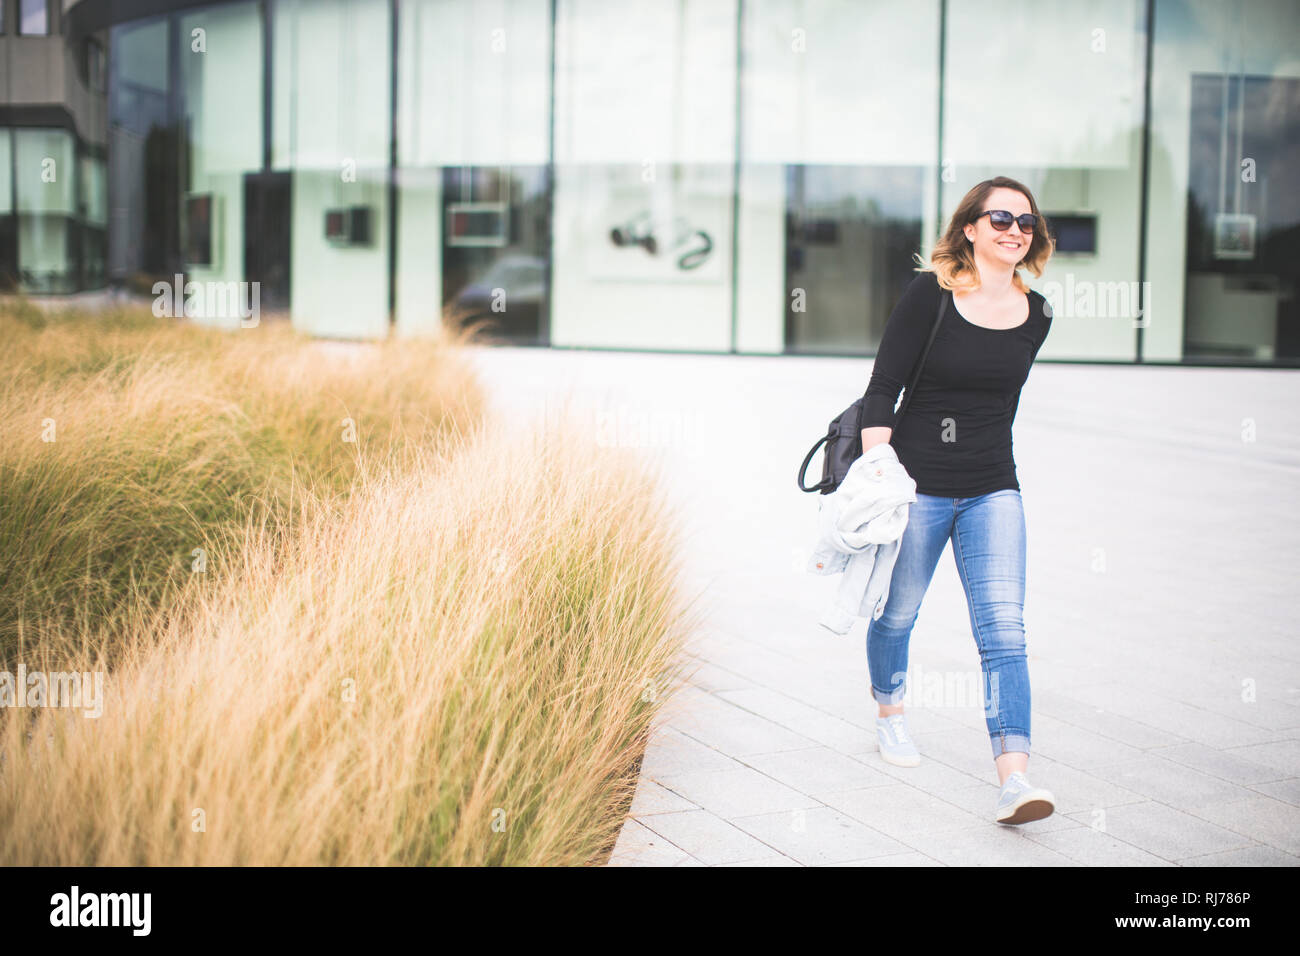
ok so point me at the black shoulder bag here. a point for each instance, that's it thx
(843, 439)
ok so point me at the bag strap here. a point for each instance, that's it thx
(944, 297)
(803, 469)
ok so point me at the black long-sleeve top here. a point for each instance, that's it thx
(955, 438)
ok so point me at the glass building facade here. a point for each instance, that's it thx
(705, 175)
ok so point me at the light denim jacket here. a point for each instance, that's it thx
(860, 530)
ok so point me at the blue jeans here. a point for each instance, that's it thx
(988, 544)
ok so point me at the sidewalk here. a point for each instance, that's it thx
(1160, 621)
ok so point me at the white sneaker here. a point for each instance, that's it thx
(896, 745)
(1020, 801)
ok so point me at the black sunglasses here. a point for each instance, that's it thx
(1001, 220)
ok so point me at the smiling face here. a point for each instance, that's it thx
(1009, 246)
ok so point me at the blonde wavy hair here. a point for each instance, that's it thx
(953, 258)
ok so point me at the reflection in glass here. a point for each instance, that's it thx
(1243, 222)
(1066, 122)
(142, 159)
(849, 238)
(494, 251)
(473, 131)
(1223, 200)
(838, 153)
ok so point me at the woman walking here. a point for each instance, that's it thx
(955, 441)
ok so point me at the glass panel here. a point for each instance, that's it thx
(331, 130)
(268, 237)
(94, 221)
(142, 159)
(94, 250)
(1225, 182)
(849, 239)
(837, 186)
(33, 18)
(6, 179)
(8, 226)
(44, 171)
(94, 188)
(220, 77)
(339, 281)
(473, 128)
(1070, 129)
(139, 63)
(494, 249)
(474, 82)
(45, 175)
(45, 263)
(332, 77)
(645, 144)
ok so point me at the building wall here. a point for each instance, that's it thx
(683, 174)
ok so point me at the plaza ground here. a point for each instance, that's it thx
(1162, 508)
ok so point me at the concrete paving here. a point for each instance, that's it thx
(1163, 514)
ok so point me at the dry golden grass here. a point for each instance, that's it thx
(453, 656)
(165, 436)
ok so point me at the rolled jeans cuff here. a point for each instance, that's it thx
(1008, 743)
(889, 697)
